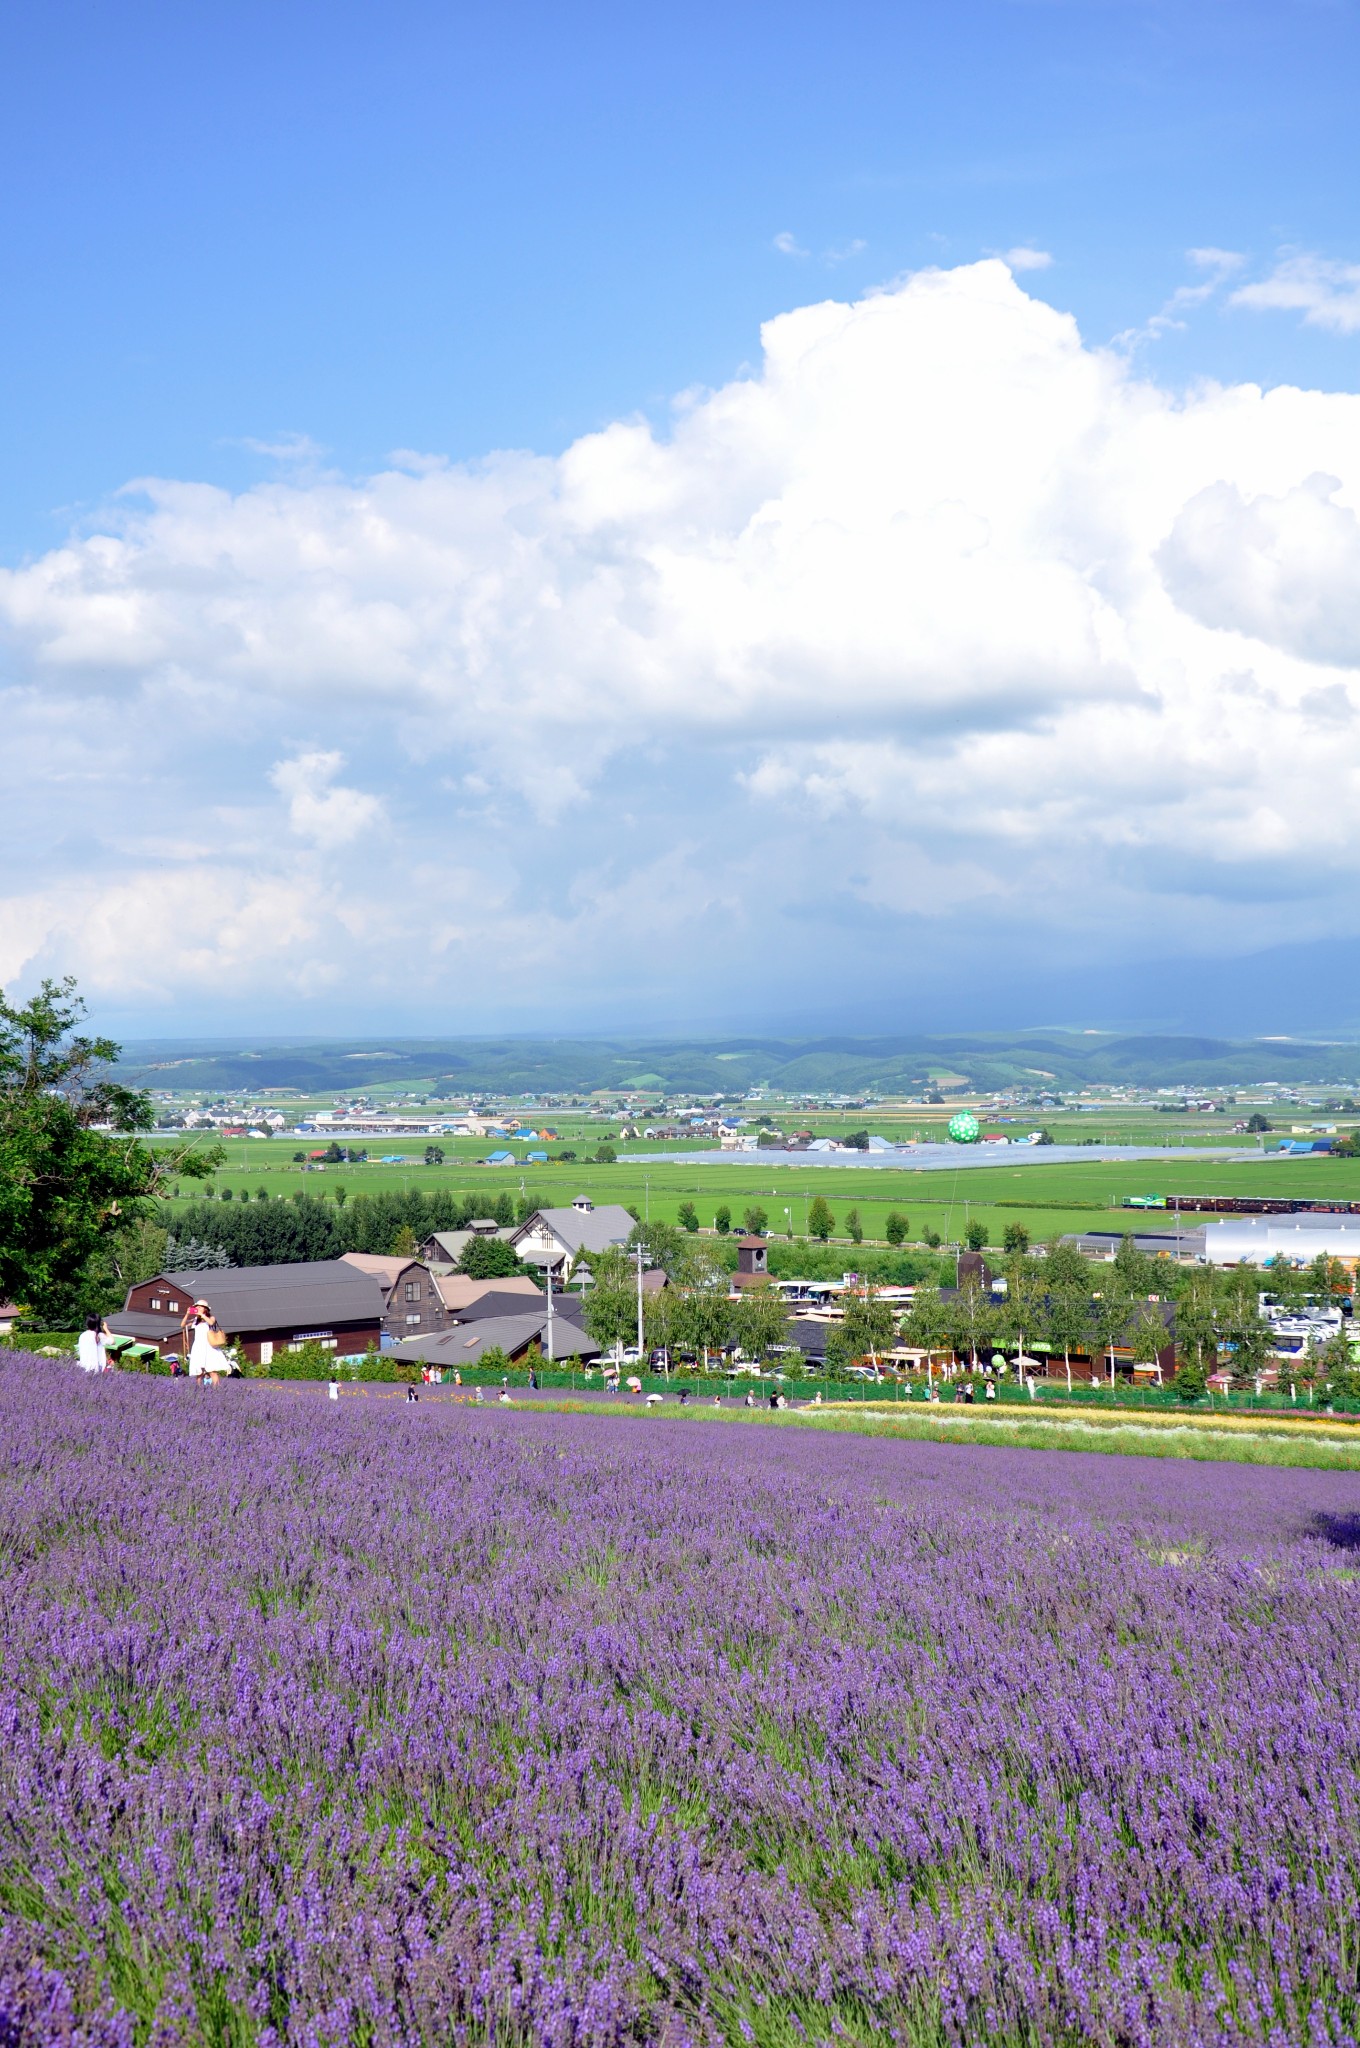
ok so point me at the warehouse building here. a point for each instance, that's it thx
(1259, 1239)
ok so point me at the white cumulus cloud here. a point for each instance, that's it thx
(941, 607)
(1325, 291)
(320, 809)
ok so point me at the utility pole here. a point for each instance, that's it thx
(639, 1280)
(551, 1353)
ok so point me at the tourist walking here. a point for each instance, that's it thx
(91, 1355)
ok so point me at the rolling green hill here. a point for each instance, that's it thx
(843, 1065)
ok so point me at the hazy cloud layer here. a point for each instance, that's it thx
(940, 631)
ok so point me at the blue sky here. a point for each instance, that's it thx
(256, 250)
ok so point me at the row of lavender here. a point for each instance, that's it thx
(411, 1725)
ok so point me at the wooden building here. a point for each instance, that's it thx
(262, 1309)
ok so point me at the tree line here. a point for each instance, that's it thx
(1196, 1320)
(278, 1230)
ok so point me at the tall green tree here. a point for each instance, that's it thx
(755, 1218)
(661, 1315)
(1020, 1318)
(1148, 1335)
(895, 1229)
(869, 1325)
(1137, 1272)
(927, 1323)
(611, 1311)
(971, 1320)
(1067, 1301)
(704, 1320)
(665, 1248)
(1338, 1368)
(74, 1172)
(760, 1321)
(1328, 1281)
(1288, 1282)
(1197, 1326)
(1242, 1328)
(1108, 1319)
(820, 1220)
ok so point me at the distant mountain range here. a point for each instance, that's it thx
(841, 1065)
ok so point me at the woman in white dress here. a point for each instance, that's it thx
(205, 1357)
(90, 1353)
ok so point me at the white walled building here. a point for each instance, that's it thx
(1237, 1239)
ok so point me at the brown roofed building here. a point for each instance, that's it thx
(262, 1309)
(459, 1291)
(753, 1262)
(412, 1301)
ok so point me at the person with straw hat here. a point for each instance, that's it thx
(205, 1343)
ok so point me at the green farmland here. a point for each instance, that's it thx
(1046, 1199)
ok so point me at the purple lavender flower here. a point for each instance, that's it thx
(364, 1723)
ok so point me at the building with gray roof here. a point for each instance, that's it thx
(514, 1335)
(262, 1309)
(555, 1238)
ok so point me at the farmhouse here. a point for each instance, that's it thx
(263, 1309)
(412, 1300)
(555, 1238)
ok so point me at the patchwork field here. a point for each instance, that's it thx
(359, 1722)
(1046, 1199)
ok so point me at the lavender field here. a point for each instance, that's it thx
(359, 1722)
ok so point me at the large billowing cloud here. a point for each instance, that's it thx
(941, 623)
